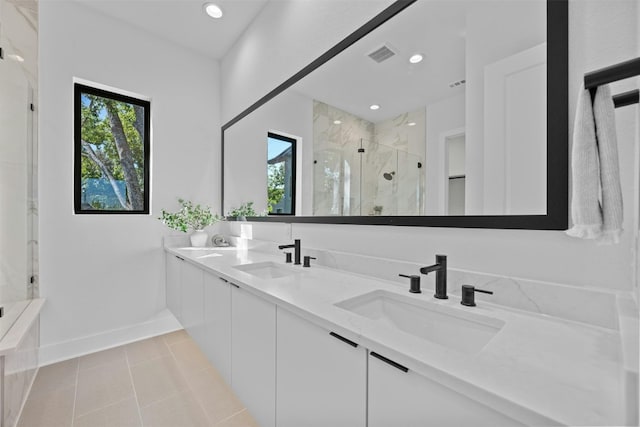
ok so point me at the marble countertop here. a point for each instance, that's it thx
(538, 369)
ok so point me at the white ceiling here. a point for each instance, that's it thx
(437, 29)
(352, 81)
(184, 21)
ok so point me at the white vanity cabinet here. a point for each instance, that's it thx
(408, 399)
(253, 352)
(217, 320)
(192, 305)
(173, 265)
(321, 378)
(185, 296)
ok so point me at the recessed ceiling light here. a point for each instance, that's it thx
(411, 124)
(374, 107)
(213, 10)
(336, 122)
(416, 58)
(16, 57)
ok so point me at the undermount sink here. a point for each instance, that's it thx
(446, 326)
(265, 270)
(201, 252)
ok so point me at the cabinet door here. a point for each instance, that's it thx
(407, 399)
(191, 279)
(321, 380)
(217, 318)
(173, 288)
(253, 352)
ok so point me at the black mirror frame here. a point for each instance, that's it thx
(557, 216)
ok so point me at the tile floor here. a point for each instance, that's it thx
(161, 381)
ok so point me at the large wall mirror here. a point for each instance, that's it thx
(434, 113)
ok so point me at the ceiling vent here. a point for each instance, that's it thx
(382, 54)
(457, 83)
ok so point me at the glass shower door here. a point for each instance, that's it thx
(17, 190)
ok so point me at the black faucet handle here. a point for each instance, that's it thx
(307, 260)
(469, 294)
(287, 257)
(414, 281)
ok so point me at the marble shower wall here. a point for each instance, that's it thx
(347, 182)
(336, 177)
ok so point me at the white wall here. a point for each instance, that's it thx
(102, 273)
(601, 33)
(443, 117)
(246, 151)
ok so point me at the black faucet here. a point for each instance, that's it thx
(414, 287)
(440, 267)
(296, 246)
(469, 293)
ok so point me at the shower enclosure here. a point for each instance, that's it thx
(367, 178)
(18, 168)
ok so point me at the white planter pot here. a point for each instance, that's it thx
(199, 238)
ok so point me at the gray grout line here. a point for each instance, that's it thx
(230, 416)
(206, 415)
(133, 385)
(75, 395)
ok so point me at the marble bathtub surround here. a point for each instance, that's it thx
(19, 359)
(539, 369)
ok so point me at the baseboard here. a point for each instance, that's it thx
(161, 323)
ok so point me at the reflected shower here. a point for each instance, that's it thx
(389, 175)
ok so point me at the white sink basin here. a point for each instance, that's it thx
(446, 326)
(201, 252)
(265, 270)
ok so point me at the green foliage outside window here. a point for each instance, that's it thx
(275, 185)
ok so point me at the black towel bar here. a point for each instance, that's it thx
(626, 98)
(613, 73)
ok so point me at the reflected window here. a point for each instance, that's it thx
(112, 144)
(281, 172)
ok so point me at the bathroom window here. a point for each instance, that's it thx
(111, 168)
(281, 174)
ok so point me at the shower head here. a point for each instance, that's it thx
(388, 175)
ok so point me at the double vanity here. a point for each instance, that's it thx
(316, 346)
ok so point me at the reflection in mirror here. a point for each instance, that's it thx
(441, 110)
(364, 168)
(281, 171)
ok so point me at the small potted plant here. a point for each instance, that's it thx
(191, 217)
(242, 212)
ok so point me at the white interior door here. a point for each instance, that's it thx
(515, 177)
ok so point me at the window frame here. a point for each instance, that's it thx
(79, 90)
(294, 170)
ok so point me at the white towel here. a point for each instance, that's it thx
(596, 204)
(611, 198)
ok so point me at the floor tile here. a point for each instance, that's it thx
(55, 409)
(145, 350)
(102, 386)
(189, 357)
(241, 419)
(176, 336)
(157, 379)
(179, 410)
(214, 395)
(55, 377)
(100, 358)
(161, 381)
(122, 414)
